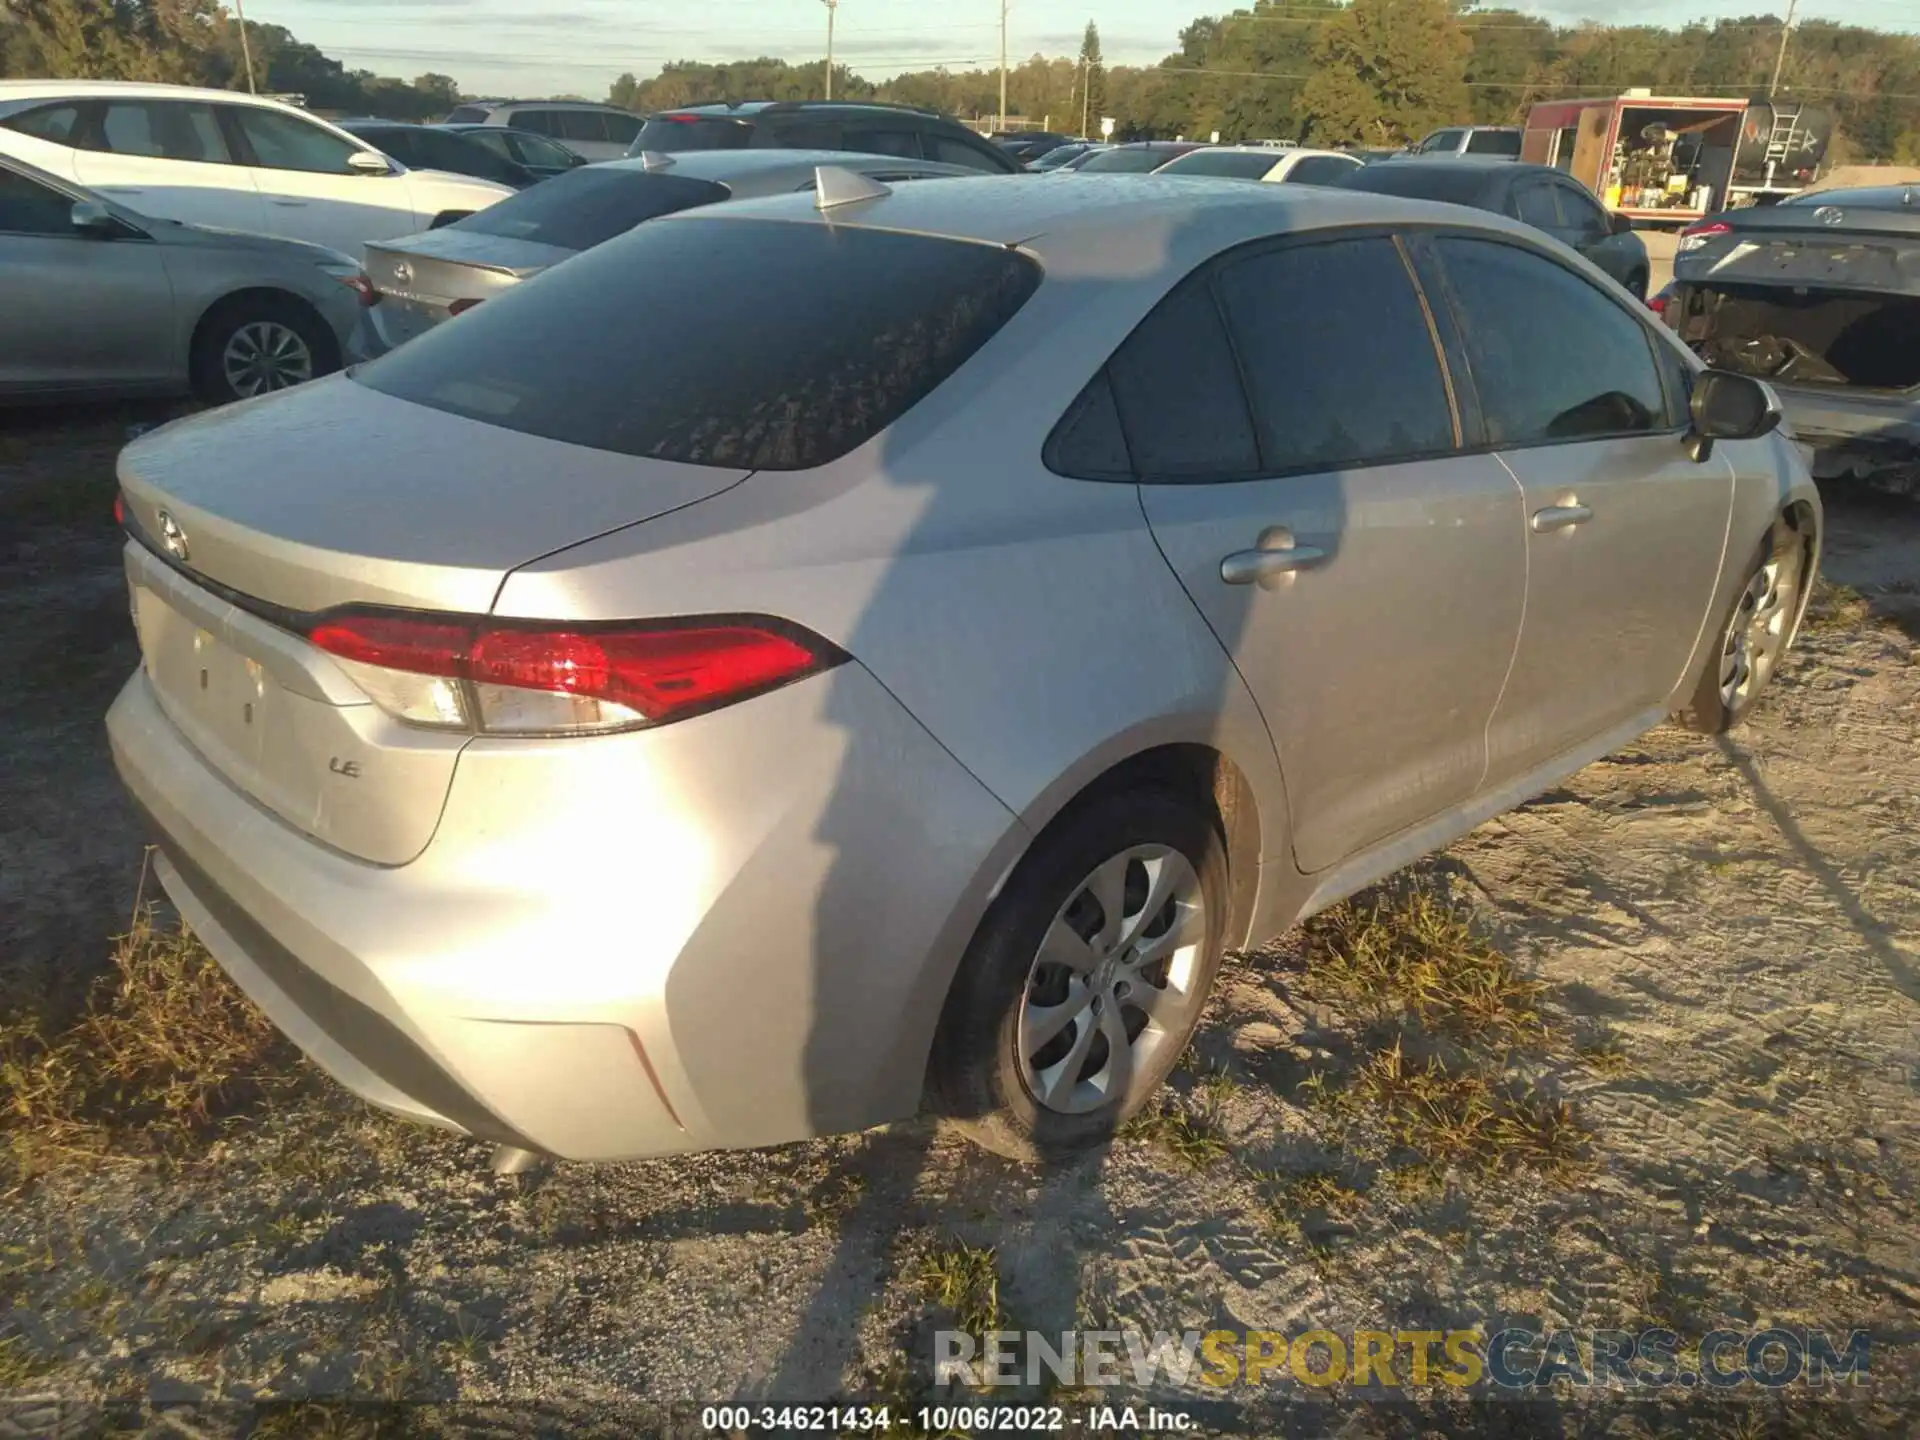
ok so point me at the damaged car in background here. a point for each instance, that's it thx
(1820, 297)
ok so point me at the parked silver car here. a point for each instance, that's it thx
(419, 281)
(97, 301)
(791, 661)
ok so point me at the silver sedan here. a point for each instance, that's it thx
(812, 656)
(101, 301)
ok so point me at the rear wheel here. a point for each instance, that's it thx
(1087, 978)
(254, 344)
(1753, 639)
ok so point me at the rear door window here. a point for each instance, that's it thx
(1341, 366)
(621, 129)
(467, 115)
(57, 123)
(739, 343)
(286, 142)
(963, 149)
(1178, 392)
(1321, 170)
(1553, 358)
(1494, 142)
(588, 126)
(589, 206)
(164, 130)
(884, 140)
(541, 122)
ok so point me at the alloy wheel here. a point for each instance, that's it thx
(265, 355)
(1757, 634)
(1116, 979)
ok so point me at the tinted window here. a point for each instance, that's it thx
(1595, 376)
(50, 122)
(800, 134)
(1126, 162)
(164, 129)
(621, 129)
(1340, 364)
(440, 151)
(953, 150)
(1533, 203)
(904, 143)
(1178, 390)
(467, 115)
(1231, 164)
(1440, 141)
(536, 150)
(588, 125)
(1582, 215)
(1494, 142)
(588, 206)
(398, 143)
(285, 142)
(1321, 170)
(29, 208)
(1089, 443)
(741, 343)
(541, 122)
(668, 133)
(1425, 180)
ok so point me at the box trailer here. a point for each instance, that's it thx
(1668, 160)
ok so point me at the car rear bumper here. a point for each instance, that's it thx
(734, 931)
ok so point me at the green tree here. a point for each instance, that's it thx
(1093, 85)
(1386, 71)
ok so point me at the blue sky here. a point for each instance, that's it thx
(517, 47)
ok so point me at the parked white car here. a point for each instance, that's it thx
(238, 162)
(1267, 161)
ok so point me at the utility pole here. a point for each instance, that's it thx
(832, 5)
(1086, 93)
(1002, 123)
(246, 50)
(1781, 60)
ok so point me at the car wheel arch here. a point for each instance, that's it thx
(265, 295)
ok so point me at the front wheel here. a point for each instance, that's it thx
(1754, 637)
(1087, 978)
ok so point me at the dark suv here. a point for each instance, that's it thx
(865, 127)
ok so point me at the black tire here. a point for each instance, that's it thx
(222, 323)
(1707, 711)
(976, 1078)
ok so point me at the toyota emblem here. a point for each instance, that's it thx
(403, 272)
(172, 537)
(1830, 215)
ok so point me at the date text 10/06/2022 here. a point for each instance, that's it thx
(942, 1419)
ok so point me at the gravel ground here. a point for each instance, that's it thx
(1731, 930)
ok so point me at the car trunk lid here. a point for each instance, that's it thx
(250, 519)
(420, 278)
(1837, 247)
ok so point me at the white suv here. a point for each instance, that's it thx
(591, 131)
(214, 157)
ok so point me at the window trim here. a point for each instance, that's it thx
(92, 123)
(1417, 243)
(1675, 404)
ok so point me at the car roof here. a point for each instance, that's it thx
(726, 165)
(137, 89)
(1126, 224)
(1870, 197)
(1457, 164)
(546, 105)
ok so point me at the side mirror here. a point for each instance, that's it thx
(368, 163)
(1726, 406)
(90, 217)
(1622, 225)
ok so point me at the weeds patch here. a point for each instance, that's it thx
(1190, 1133)
(965, 1281)
(1834, 607)
(164, 1049)
(1417, 952)
(1460, 1117)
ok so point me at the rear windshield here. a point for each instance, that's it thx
(751, 344)
(1233, 164)
(586, 207)
(1457, 184)
(668, 133)
(1494, 142)
(1127, 162)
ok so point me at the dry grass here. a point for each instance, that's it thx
(1836, 607)
(965, 1281)
(163, 1050)
(1460, 1117)
(1190, 1133)
(1416, 951)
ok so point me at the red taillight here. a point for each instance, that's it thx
(363, 287)
(1658, 303)
(1706, 228)
(679, 119)
(659, 672)
(460, 307)
(119, 509)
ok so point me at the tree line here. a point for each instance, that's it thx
(1370, 72)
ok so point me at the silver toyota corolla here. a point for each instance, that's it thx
(819, 655)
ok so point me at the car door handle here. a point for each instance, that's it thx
(1560, 517)
(1248, 567)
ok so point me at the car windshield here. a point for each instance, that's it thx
(584, 207)
(1126, 162)
(1059, 156)
(669, 133)
(1232, 164)
(756, 344)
